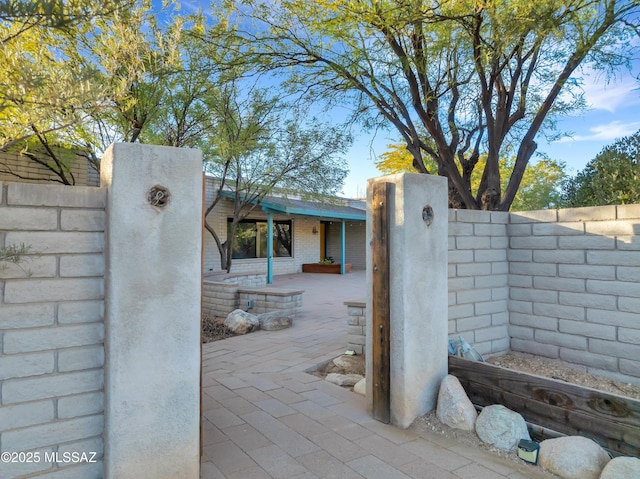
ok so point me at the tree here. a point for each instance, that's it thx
(611, 178)
(541, 185)
(262, 145)
(481, 78)
(47, 86)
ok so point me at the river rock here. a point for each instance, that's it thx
(361, 387)
(501, 427)
(241, 322)
(343, 379)
(454, 407)
(348, 363)
(274, 320)
(622, 468)
(573, 457)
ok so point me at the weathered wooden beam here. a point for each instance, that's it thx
(381, 323)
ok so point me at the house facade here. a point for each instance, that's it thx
(302, 232)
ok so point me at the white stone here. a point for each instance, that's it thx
(347, 363)
(241, 322)
(454, 407)
(622, 468)
(274, 320)
(343, 379)
(501, 427)
(572, 457)
(361, 387)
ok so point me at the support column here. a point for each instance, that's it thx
(343, 248)
(152, 311)
(418, 290)
(269, 247)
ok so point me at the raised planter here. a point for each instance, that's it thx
(331, 268)
(612, 421)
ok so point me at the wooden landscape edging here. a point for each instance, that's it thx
(610, 420)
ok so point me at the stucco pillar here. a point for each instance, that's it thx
(152, 311)
(418, 293)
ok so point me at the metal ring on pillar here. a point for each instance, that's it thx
(158, 196)
(427, 215)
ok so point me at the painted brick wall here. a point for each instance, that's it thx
(356, 233)
(306, 245)
(51, 326)
(575, 287)
(29, 171)
(478, 279)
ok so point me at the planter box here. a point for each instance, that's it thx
(333, 268)
(612, 421)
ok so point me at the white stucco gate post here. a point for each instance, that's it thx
(152, 311)
(418, 292)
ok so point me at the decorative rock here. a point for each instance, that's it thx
(501, 427)
(622, 468)
(241, 322)
(454, 408)
(573, 457)
(361, 387)
(274, 321)
(347, 363)
(343, 379)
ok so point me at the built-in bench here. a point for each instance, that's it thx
(223, 293)
(264, 300)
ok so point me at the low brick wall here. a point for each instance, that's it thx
(271, 299)
(357, 320)
(233, 291)
(219, 299)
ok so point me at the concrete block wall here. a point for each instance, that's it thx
(51, 328)
(219, 299)
(29, 171)
(478, 279)
(575, 287)
(355, 238)
(357, 322)
(267, 300)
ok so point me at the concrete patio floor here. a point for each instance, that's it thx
(264, 417)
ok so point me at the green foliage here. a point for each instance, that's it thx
(16, 255)
(457, 79)
(540, 187)
(611, 178)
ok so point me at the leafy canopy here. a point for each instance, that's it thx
(611, 178)
(541, 186)
(481, 78)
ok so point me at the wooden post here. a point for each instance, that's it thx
(380, 307)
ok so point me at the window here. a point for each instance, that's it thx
(250, 240)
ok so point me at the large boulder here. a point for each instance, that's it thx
(622, 468)
(572, 457)
(501, 427)
(274, 320)
(241, 322)
(343, 379)
(454, 407)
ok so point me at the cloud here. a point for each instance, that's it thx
(609, 131)
(611, 97)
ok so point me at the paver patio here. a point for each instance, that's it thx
(264, 417)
